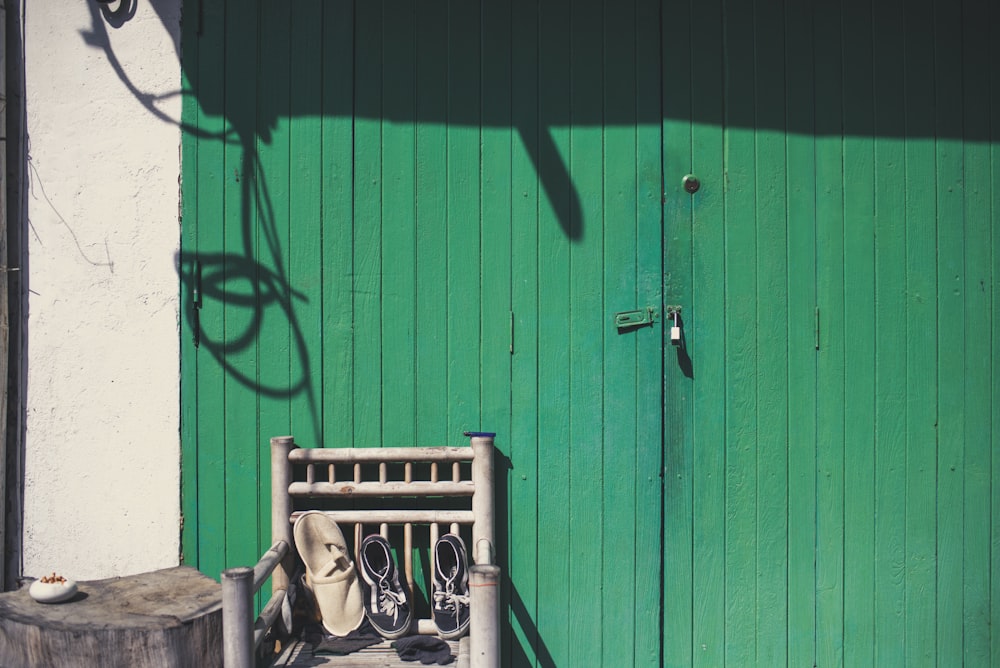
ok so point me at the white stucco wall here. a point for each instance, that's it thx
(102, 451)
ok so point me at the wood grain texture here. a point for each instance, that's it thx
(337, 168)
(922, 335)
(585, 339)
(242, 253)
(170, 617)
(978, 304)
(772, 324)
(423, 186)
(858, 327)
(950, 317)
(881, 544)
(802, 336)
(527, 644)
(207, 480)
(553, 371)
(496, 204)
(432, 351)
(741, 343)
(366, 223)
(301, 655)
(189, 315)
(890, 331)
(830, 191)
(706, 340)
(399, 227)
(993, 66)
(678, 279)
(648, 461)
(464, 213)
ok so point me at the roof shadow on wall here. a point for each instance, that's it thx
(808, 68)
(812, 69)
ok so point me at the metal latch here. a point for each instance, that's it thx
(637, 318)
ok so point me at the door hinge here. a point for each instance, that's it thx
(817, 328)
(196, 302)
(511, 332)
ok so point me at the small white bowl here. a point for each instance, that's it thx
(52, 592)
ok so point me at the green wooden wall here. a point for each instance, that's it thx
(382, 199)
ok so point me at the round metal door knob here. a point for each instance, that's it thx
(691, 183)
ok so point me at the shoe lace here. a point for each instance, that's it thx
(389, 601)
(448, 600)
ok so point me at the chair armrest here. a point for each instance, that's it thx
(241, 633)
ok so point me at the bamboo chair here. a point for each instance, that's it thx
(408, 502)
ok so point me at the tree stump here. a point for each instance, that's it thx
(171, 617)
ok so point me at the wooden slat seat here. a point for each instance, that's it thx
(299, 654)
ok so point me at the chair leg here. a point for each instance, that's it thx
(237, 617)
(484, 641)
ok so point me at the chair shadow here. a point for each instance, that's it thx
(533, 650)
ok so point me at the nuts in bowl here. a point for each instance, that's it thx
(52, 589)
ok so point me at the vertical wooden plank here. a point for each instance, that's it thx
(802, 191)
(554, 434)
(302, 298)
(741, 337)
(831, 355)
(951, 289)
(993, 65)
(706, 335)
(191, 121)
(280, 379)
(211, 169)
(431, 211)
(679, 289)
(211, 249)
(433, 270)
(241, 298)
(587, 327)
(856, 327)
(647, 466)
(496, 195)
(921, 338)
(772, 334)
(337, 230)
(5, 309)
(527, 646)
(978, 305)
(399, 233)
(464, 215)
(367, 218)
(495, 206)
(890, 333)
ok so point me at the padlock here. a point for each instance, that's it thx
(675, 336)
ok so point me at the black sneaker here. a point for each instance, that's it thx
(386, 603)
(451, 587)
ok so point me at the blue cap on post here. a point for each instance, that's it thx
(473, 434)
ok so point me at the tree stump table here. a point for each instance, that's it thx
(171, 617)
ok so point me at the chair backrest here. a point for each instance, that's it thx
(366, 488)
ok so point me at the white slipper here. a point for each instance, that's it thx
(330, 572)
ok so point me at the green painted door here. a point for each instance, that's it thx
(586, 435)
(404, 220)
(831, 477)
